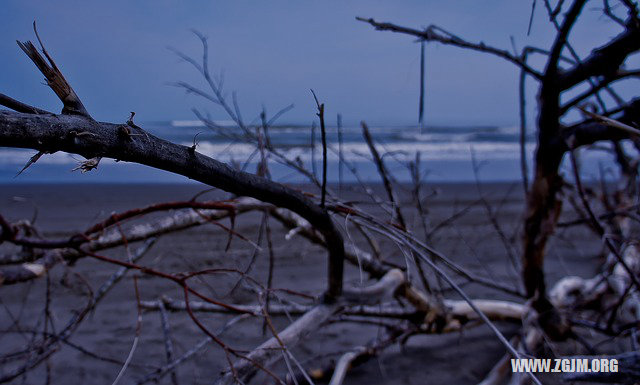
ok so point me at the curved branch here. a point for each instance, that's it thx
(86, 137)
(603, 128)
(561, 37)
(434, 33)
(620, 75)
(605, 60)
(17, 105)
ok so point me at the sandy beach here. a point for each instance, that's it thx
(95, 352)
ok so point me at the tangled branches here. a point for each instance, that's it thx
(405, 290)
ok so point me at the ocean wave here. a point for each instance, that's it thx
(199, 123)
(357, 151)
(352, 151)
(21, 157)
(435, 137)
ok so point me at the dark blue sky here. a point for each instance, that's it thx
(115, 55)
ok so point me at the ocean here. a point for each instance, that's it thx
(447, 154)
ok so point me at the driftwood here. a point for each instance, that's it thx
(547, 316)
(91, 139)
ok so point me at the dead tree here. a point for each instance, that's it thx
(600, 70)
(75, 131)
(311, 216)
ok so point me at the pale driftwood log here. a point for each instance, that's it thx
(494, 309)
(175, 222)
(398, 236)
(384, 288)
(572, 290)
(270, 350)
(337, 371)
(276, 309)
(342, 366)
(180, 220)
(30, 270)
(566, 295)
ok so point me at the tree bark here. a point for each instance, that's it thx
(91, 139)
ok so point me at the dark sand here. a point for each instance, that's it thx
(460, 358)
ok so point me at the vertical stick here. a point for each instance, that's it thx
(324, 155)
(523, 132)
(323, 133)
(313, 150)
(533, 10)
(168, 343)
(340, 153)
(421, 106)
(384, 175)
(272, 262)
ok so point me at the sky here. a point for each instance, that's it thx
(116, 56)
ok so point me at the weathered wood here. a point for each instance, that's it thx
(272, 349)
(544, 199)
(91, 139)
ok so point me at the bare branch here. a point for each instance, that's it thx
(55, 79)
(18, 106)
(603, 61)
(384, 175)
(59, 133)
(434, 33)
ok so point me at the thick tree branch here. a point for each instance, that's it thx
(79, 135)
(605, 60)
(561, 37)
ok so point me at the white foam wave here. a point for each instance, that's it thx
(199, 123)
(436, 137)
(21, 157)
(354, 151)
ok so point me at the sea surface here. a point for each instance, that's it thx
(447, 154)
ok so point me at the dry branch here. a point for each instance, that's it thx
(61, 133)
(36, 267)
(437, 34)
(55, 79)
(494, 309)
(74, 131)
(270, 350)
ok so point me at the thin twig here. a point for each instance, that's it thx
(323, 133)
